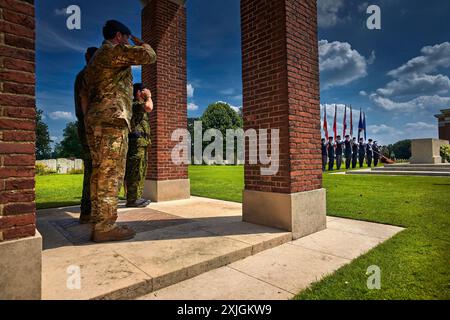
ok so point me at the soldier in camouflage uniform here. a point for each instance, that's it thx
(110, 92)
(80, 110)
(137, 157)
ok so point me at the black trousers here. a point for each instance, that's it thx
(324, 162)
(339, 162)
(348, 160)
(354, 161)
(369, 161)
(375, 161)
(361, 161)
(331, 164)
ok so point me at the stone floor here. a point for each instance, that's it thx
(194, 249)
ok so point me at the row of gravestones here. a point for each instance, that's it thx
(62, 166)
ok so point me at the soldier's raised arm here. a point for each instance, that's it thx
(128, 55)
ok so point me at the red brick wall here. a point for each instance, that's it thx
(17, 119)
(281, 89)
(444, 125)
(164, 28)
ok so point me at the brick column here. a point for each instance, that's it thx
(444, 124)
(20, 244)
(164, 28)
(281, 91)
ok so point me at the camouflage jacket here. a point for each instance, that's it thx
(110, 83)
(140, 126)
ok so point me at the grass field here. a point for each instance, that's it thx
(414, 264)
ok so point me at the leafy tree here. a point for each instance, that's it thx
(221, 116)
(402, 149)
(70, 146)
(43, 141)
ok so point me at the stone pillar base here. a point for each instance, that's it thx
(167, 190)
(301, 213)
(426, 151)
(21, 268)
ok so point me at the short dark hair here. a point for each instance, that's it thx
(112, 27)
(137, 87)
(330, 138)
(347, 136)
(370, 140)
(90, 53)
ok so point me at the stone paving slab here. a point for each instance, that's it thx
(207, 235)
(209, 253)
(284, 271)
(233, 284)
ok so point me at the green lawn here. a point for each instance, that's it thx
(414, 264)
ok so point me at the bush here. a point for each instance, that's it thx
(445, 153)
(76, 171)
(42, 170)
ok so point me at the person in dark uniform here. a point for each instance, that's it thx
(80, 110)
(330, 150)
(347, 152)
(339, 152)
(354, 153)
(324, 155)
(376, 153)
(369, 152)
(361, 152)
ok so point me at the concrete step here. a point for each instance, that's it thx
(412, 168)
(175, 241)
(402, 173)
(425, 167)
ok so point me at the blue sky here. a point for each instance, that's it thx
(398, 75)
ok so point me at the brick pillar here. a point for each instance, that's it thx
(20, 244)
(164, 28)
(281, 91)
(444, 124)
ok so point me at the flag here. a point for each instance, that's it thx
(335, 122)
(360, 125)
(345, 123)
(351, 122)
(365, 127)
(325, 122)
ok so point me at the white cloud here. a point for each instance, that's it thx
(414, 88)
(340, 64)
(432, 58)
(429, 103)
(54, 139)
(50, 40)
(227, 92)
(421, 126)
(192, 107)
(328, 12)
(237, 109)
(61, 115)
(60, 12)
(190, 90)
(363, 93)
(381, 129)
(416, 85)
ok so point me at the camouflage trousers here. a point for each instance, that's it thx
(87, 163)
(108, 147)
(136, 171)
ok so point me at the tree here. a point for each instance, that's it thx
(402, 149)
(221, 116)
(70, 146)
(43, 141)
